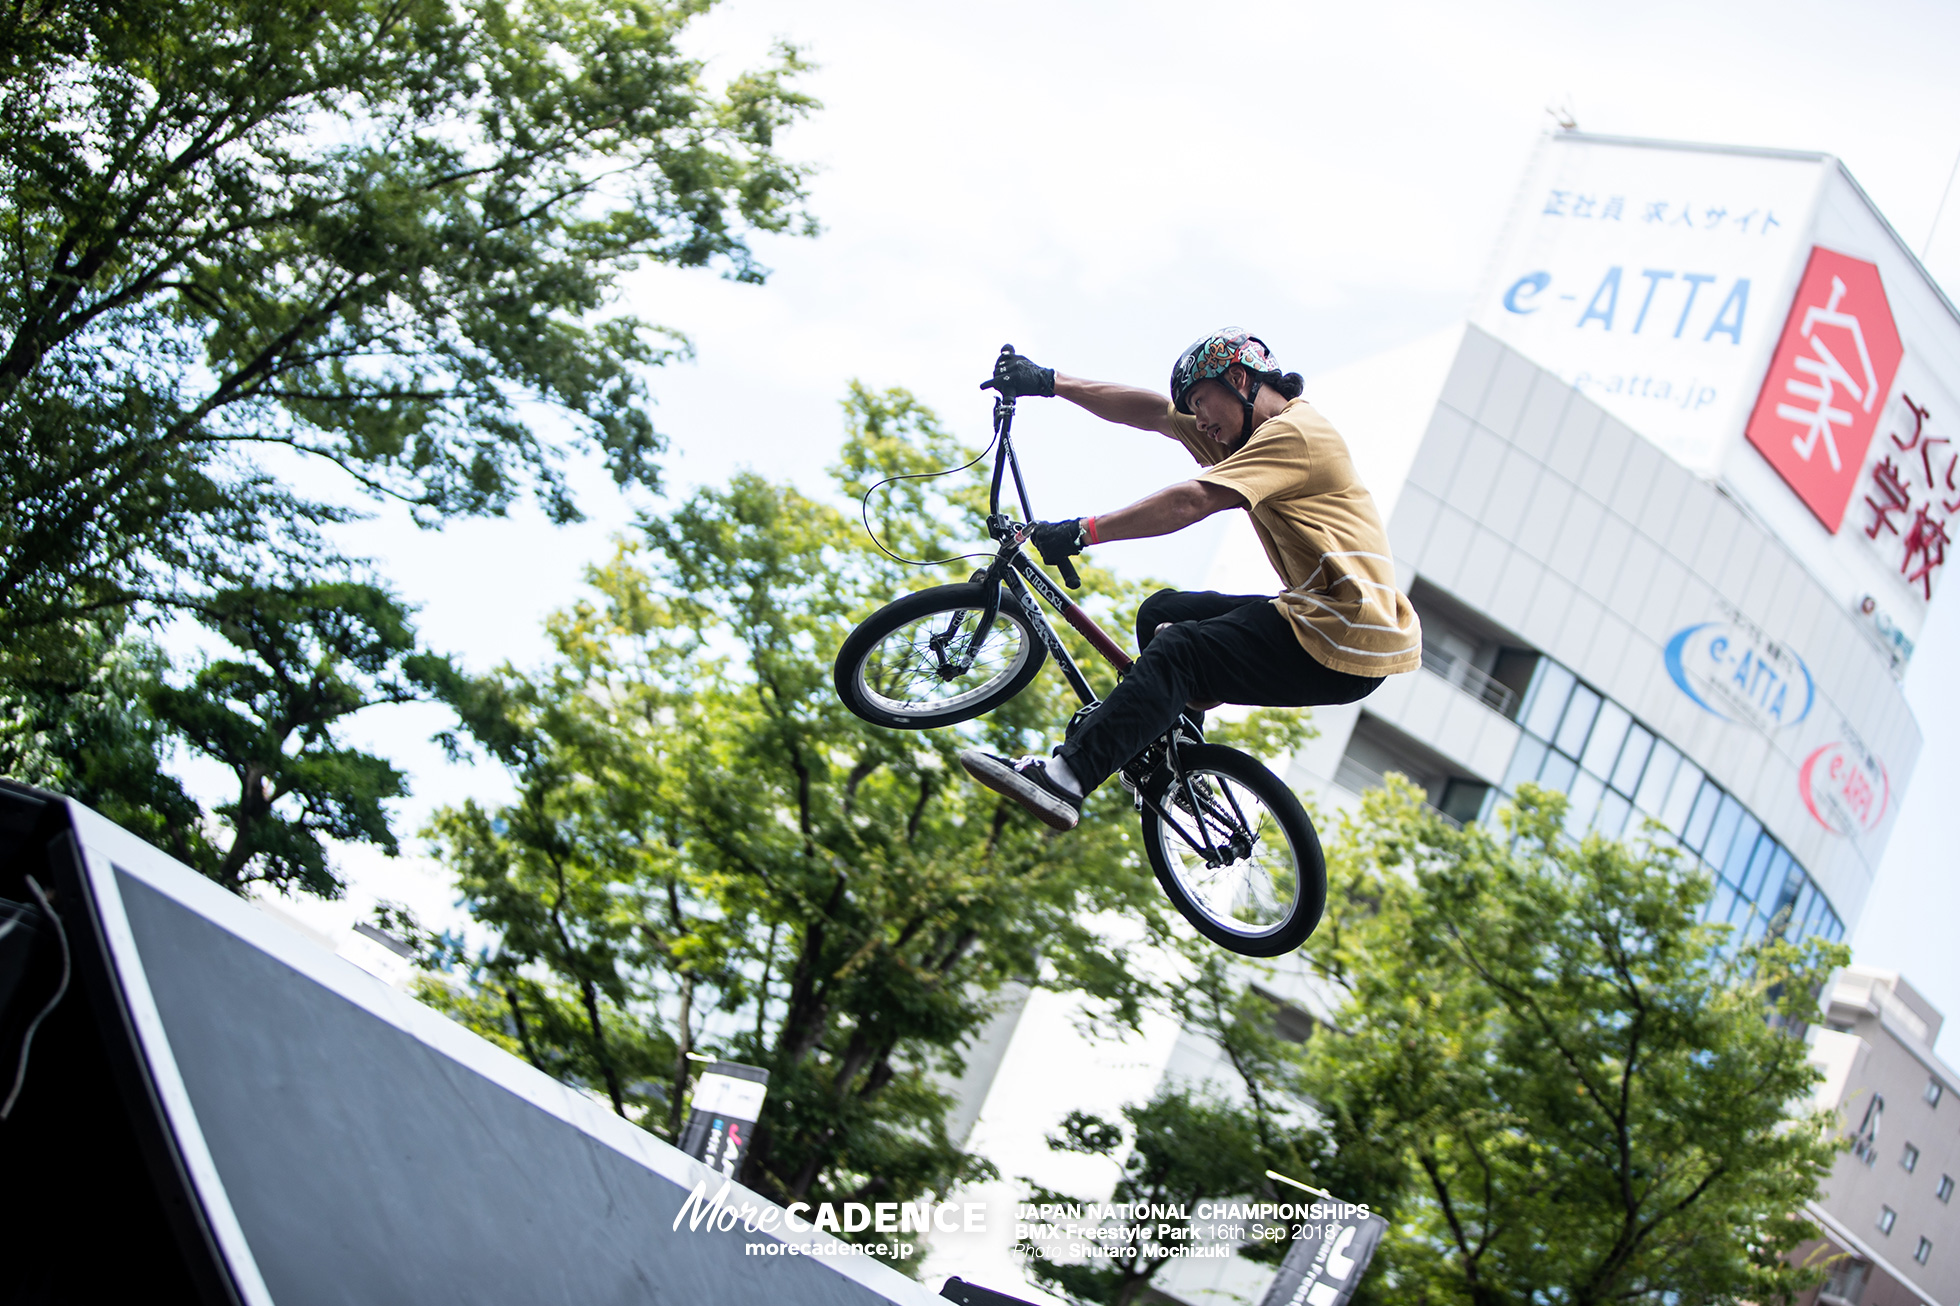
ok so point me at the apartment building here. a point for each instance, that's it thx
(1892, 1233)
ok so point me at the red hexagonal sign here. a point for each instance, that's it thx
(1827, 382)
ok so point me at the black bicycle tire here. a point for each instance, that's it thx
(1309, 901)
(848, 672)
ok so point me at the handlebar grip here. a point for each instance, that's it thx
(1069, 578)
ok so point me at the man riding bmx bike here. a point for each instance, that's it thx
(1331, 636)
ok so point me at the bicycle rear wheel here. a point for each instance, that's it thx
(1236, 853)
(893, 670)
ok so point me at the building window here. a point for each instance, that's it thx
(1924, 1250)
(1617, 774)
(1864, 1143)
(1289, 1021)
(1909, 1158)
(1934, 1091)
(1945, 1191)
(1848, 1276)
(1887, 1217)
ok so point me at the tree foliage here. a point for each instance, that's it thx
(1556, 1084)
(266, 257)
(375, 233)
(312, 654)
(1562, 1087)
(305, 657)
(707, 853)
(91, 733)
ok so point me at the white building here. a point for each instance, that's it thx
(1673, 506)
(1887, 1209)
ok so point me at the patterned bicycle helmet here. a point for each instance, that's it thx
(1212, 356)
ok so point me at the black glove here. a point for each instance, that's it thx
(1016, 376)
(1057, 541)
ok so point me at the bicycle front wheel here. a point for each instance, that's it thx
(1236, 853)
(900, 667)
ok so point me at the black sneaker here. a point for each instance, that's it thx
(1027, 782)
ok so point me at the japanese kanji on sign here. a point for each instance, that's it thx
(1910, 499)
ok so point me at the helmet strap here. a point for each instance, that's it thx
(1245, 429)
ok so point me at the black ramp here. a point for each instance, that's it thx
(366, 1166)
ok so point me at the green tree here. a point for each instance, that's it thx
(1179, 1148)
(708, 854)
(305, 657)
(311, 655)
(252, 239)
(1552, 1080)
(90, 733)
(267, 257)
(1559, 1085)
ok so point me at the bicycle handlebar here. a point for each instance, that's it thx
(1069, 578)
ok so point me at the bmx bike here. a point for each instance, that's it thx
(1229, 843)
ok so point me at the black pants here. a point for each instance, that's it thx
(1235, 648)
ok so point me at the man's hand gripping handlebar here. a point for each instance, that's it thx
(1025, 533)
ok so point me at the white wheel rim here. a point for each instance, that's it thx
(1251, 896)
(921, 665)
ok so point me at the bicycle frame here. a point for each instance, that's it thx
(1012, 570)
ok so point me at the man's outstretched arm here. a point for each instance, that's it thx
(1170, 509)
(1017, 375)
(1128, 405)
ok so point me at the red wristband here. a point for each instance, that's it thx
(1089, 525)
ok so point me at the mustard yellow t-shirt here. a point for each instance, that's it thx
(1321, 532)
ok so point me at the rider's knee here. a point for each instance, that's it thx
(1173, 639)
(1152, 614)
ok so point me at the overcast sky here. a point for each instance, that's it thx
(1099, 183)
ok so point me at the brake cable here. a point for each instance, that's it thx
(864, 509)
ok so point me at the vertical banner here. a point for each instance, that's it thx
(727, 1103)
(1324, 1271)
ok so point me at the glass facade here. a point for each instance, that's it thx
(1618, 773)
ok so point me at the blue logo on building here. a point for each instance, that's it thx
(1649, 311)
(1732, 671)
